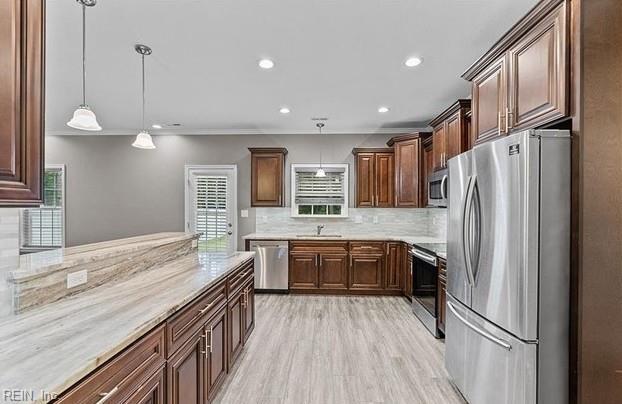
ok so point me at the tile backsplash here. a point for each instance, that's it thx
(399, 222)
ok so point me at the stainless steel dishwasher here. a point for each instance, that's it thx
(271, 265)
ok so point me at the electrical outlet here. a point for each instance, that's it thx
(358, 219)
(76, 278)
(264, 219)
(244, 213)
(195, 243)
(375, 219)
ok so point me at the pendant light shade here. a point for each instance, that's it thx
(83, 117)
(320, 171)
(143, 139)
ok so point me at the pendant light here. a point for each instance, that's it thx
(83, 118)
(320, 171)
(143, 139)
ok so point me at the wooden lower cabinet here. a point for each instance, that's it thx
(366, 272)
(407, 287)
(152, 391)
(393, 278)
(215, 353)
(333, 271)
(249, 310)
(236, 326)
(303, 271)
(186, 372)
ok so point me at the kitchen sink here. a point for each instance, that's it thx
(318, 235)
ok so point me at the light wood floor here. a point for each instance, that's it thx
(338, 349)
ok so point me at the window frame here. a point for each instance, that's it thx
(346, 190)
(63, 169)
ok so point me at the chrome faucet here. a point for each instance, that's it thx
(319, 229)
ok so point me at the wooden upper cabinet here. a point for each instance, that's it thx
(522, 81)
(267, 176)
(427, 166)
(451, 133)
(538, 74)
(408, 179)
(489, 102)
(365, 178)
(374, 177)
(439, 139)
(22, 98)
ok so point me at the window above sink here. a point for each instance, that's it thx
(314, 196)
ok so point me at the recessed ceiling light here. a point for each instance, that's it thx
(413, 61)
(266, 64)
(156, 126)
(284, 110)
(383, 110)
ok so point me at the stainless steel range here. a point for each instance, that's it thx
(425, 290)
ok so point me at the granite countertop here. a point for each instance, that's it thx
(435, 245)
(50, 348)
(34, 264)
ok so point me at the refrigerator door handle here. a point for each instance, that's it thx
(466, 244)
(474, 213)
(488, 336)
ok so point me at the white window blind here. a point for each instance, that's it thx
(211, 212)
(43, 227)
(320, 190)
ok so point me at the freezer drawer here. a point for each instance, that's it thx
(487, 364)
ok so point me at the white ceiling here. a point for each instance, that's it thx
(340, 59)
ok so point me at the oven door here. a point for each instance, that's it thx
(437, 189)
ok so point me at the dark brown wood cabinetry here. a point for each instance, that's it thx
(267, 176)
(522, 82)
(303, 271)
(427, 167)
(394, 262)
(366, 272)
(186, 359)
(333, 271)
(408, 173)
(22, 55)
(374, 177)
(441, 295)
(451, 133)
(407, 288)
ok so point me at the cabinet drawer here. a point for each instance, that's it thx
(367, 247)
(123, 375)
(319, 246)
(186, 322)
(238, 277)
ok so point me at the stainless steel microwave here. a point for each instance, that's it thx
(437, 188)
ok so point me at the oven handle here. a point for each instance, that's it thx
(430, 259)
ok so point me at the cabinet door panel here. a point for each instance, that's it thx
(489, 102)
(438, 143)
(427, 166)
(408, 275)
(235, 318)
(456, 141)
(407, 173)
(21, 101)
(393, 266)
(150, 392)
(334, 271)
(365, 180)
(303, 271)
(384, 179)
(185, 372)
(267, 179)
(366, 272)
(537, 73)
(249, 311)
(216, 366)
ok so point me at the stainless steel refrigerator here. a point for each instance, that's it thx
(507, 326)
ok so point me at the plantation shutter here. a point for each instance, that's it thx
(211, 212)
(327, 190)
(43, 227)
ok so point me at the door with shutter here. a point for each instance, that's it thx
(211, 207)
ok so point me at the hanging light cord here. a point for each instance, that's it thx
(83, 55)
(320, 126)
(143, 67)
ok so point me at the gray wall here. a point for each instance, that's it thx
(115, 190)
